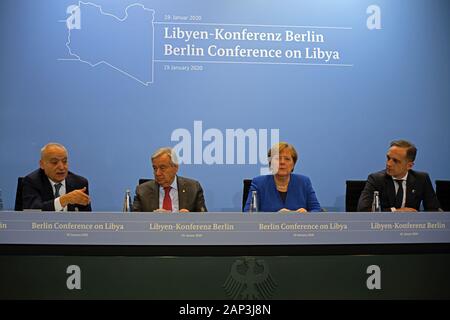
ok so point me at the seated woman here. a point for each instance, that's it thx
(284, 190)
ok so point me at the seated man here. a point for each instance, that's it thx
(53, 187)
(168, 192)
(400, 188)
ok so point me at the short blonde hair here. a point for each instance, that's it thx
(277, 148)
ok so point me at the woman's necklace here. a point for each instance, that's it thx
(282, 187)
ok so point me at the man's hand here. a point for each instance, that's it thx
(78, 196)
(405, 209)
(302, 210)
(161, 210)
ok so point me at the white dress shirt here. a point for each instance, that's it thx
(404, 189)
(62, 191)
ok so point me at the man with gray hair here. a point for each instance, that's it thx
(53, 187)
(400, 188)
(168, 192)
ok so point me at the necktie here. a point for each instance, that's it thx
(167, 202)
(399, 195)
(57, 187)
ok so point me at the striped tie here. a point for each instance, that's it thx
(57, 187)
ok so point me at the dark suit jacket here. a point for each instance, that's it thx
(190, 196)
(418, 189)
(38, 192)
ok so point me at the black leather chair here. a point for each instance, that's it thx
(142, 180)
(247, 184)
(352, 192)
(443, 193)
(18, 206)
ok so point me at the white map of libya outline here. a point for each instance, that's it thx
(72, 10)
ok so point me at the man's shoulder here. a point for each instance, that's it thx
(75, 177)
(418, 174)
(189, 181)
(379, 174)
(149, 184)
(35, 176)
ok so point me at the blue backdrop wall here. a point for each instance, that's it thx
(221, 80)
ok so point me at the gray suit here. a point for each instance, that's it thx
(190, 196)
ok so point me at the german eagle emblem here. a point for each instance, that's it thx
(250, 279)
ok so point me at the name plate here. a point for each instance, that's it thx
(220, 228)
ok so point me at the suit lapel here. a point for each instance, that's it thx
(410, 191)
(292, 185)
(69, 188)
(47, 186)
(181, 193)
(69, 184)
(154, 195)
(390, 188)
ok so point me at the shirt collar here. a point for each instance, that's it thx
(53, 182)
(404, 178)
(174, 184)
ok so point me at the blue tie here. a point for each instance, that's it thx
(57, 187)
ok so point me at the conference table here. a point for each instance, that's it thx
(224, 255)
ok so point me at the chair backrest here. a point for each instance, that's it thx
(352, 192)
(142, 180)
(18, 206)
(443, 193)
(247, 184)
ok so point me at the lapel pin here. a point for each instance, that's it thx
(184, 190)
